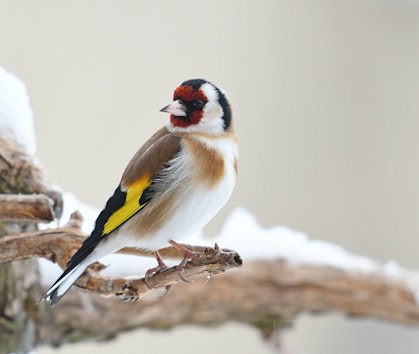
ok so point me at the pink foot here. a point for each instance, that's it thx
(161, 266)
(189, 255)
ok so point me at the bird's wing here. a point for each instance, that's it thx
(134, 192)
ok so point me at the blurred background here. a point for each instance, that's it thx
(326, 106)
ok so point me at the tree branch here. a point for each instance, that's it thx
(60, 244)
(263, 291)
(266, 294)
(35, 208)
(19, 174)
(19, 281)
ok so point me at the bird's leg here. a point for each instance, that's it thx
(151, 271)
(188, 256)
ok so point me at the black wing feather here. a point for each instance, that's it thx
(114, 203)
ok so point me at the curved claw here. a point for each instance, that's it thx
(183, 278)
(148, 274)
(189, 255)
(128, 294)
(167, 287)
(127, 298)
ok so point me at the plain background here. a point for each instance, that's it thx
(325, 97)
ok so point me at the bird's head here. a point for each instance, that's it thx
(199, 106)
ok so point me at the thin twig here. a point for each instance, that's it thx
(60, 244)
(34, 208)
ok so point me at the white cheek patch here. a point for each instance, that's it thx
(213, 111)
(210, 92)
(212, 117)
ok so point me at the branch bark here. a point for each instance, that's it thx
(262, 293)
(266, 294)
(19, 281)
(60, 244)
(19, 174)
(35, 208)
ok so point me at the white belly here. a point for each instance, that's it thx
(196, 204)
(197, 208)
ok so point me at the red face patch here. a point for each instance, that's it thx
(188, 96)
(183, 122)
(183, 92)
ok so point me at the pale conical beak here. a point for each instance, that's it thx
(176, 108)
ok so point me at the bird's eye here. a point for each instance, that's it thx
(198, 104)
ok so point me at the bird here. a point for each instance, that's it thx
(171, 188)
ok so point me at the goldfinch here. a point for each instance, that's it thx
(175, 183)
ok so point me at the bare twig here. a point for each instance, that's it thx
(60, 244)
(19, 174)
(34, 208)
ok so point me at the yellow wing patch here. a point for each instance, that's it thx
(130, 207)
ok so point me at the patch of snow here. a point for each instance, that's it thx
(16, 117)
(49, 272)
(242, 233)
